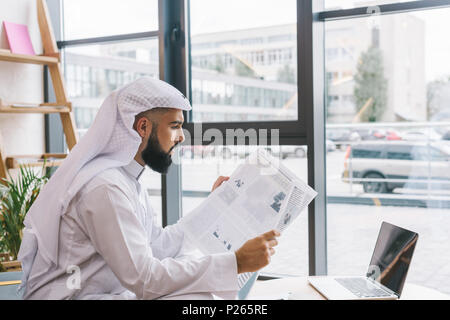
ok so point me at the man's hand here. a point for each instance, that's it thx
(255, 253)
(219, 181)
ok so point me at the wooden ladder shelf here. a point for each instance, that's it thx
(51, 59)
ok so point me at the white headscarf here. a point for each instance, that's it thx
(110, 142)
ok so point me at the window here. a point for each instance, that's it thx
(396, 75)
(201, 165)
(248, 85)
(438, 155)
(93, 68)
(424, 153)
(93, 71)
(400, 153)
(380, 79)
(367, 153)
(253, 57)
(100, 18)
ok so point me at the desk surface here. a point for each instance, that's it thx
(300, 289)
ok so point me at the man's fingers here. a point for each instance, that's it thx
(219, 181)
(222, 178)
(271, 234)
(272, 243)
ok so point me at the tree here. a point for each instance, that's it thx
(437, 94)
(370, 83)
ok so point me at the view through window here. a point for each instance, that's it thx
(387, 103)
(203, 164)
(93, 71)
(100, 18)
(387, 93)
(244, 68)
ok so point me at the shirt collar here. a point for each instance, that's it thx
(134, 169)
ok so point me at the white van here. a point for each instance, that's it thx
(382, 166)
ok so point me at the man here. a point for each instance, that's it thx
(91, 234)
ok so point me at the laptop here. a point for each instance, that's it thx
(386, 274)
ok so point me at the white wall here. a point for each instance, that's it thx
(22, 134)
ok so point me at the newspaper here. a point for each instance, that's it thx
(261, 195)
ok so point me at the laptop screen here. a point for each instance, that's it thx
(392, 256)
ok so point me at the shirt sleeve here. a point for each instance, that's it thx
(119, 237)
(168, 241)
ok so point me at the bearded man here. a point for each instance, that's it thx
(91, 233)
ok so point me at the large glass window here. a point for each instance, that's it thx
(100, 18)
(202, 165)
(244, 66)
(94, 69)
(244, 72)
(387, 104)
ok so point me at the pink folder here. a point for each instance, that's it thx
(18, 38)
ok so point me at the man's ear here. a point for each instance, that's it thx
(143, 127)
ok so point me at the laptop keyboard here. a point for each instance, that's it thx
(362, 288)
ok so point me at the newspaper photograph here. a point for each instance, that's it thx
(260, 195)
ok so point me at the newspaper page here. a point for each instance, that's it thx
(261, 194)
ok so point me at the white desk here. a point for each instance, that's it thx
(300, 289)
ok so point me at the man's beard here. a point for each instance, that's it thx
(154, 156)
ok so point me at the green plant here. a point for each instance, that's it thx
(16, 198)
(370, 83)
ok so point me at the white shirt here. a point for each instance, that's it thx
(110, 248)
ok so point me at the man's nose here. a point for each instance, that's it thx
(181, 137)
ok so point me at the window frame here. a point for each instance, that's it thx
(291, 132)
(382, 9)
(308, 130)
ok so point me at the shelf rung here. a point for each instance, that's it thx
(52, 160)
(55, 104)
(40, 156)
(11, 265)
(37, 108)
(24, 58)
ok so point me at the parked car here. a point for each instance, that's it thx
(446, 136)
(293, 151)
(364, 134)
(283, 152)
(205, 151)
(378, 134)
(421, 135)
(382, 166)
(276, 150)
(342, 137)
(330, 145)
(242, 151)
(392, 135)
